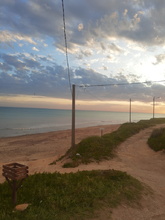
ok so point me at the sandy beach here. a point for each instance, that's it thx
(38, 150)
(133, 156)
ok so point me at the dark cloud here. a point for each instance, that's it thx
(19, 61)
(34, 17)
(84, 53)
(5, 67)
(115, 48)
(12, 61)
(87, 21)
(49, 79)
(140, 21)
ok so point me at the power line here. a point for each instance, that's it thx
(66, 47)
(94, 96)
(120, 84)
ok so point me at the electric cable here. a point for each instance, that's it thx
(120, 84)
(66, 47)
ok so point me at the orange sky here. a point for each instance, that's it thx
(56, 103)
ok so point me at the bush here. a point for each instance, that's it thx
(157, 139)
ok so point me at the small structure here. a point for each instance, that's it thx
(15, 173)
(101, 130)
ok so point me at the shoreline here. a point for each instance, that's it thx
(59, 130)
(38, 150)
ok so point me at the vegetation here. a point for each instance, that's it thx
(97, 148)
(70, 196)
(79, 195)
(157, 139)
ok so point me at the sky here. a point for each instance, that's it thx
(117, 45)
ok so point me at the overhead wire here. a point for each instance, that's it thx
(94, 96)
(88, 85)
(66, 47)
(120, 84)
(85, 86)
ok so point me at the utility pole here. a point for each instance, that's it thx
(153, 106)
(130, 110)
(73, 116)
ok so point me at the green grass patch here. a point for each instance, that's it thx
(157, 139)
(97, 148)
(70, 196)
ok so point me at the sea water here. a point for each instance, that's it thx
(21, 121)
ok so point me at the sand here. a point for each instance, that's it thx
(39, 150)
(133, 156)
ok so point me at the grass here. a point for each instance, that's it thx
(70, 196)
(97, 148)
(79, 195)
(157, 139)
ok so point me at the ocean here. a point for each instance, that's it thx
(22, 121)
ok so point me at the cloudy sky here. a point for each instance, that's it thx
(108, 42)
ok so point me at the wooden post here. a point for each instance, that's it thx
(15, 173)
(130, 111)
(14, 192)
(73, 116)
(153, 107)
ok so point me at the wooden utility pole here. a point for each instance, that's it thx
(154, 107)
(73, 116)
(130, 110)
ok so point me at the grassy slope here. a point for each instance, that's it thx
(97, 148)
(70, 196)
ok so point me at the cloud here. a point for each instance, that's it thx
(115, 48)
(84, 53)
(159, 59)
(12, 61)
(35, 49)
(139, 21)
(105, 67)
(33, 18)
(80, 27)
(98, 32)
(5, 67)
(19, 61)
(8, 37)
(28, 74)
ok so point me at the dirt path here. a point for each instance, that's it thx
(136, 158)
(142, 162)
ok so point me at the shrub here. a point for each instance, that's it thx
(157, 139)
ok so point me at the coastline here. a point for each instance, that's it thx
(38, 150)
(133, 157)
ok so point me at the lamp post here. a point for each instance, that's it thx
(154, 105)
